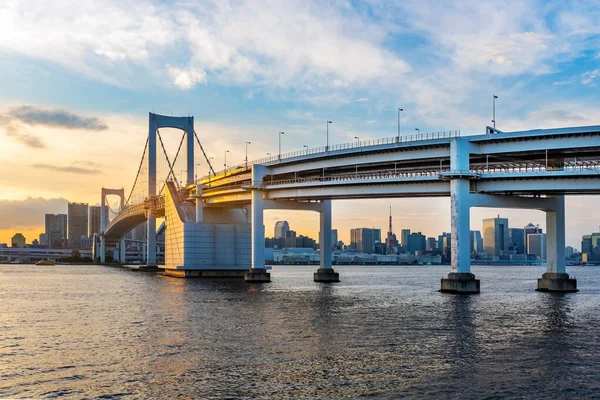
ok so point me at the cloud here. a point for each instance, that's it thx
(27, 139)
(74, 169)
(362, 100)
(32, 115)
(186, 78)
(28, 213)
(557, 115)
(587, 78)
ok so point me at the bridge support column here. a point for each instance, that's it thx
(460, 280)
(257, 273)
(325, 273)
(122, 250)
(102, 249)
(556, 279)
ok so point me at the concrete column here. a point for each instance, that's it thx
(122, 250)
(258, 272)
(325, 234)
(555, 237)
(460, 226)
(102, 249)
(460, 279)
(199, 204)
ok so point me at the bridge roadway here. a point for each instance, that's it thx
(492, 170)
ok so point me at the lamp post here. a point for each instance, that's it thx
(225, 163)
(494, 112)
(357, 140)
(418, 131)
(247, 143)
(327, 146)
(280, 133)
(306, 147)
(399, 110)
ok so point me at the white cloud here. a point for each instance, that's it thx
(186, 78)
(362, 100)
(587, 78)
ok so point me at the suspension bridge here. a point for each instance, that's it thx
(213, 224)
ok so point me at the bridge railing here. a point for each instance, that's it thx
(538, 168)
(343, 146)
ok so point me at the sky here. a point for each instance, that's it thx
(77, 80)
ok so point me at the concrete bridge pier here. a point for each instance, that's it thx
(102, 246)
(556, 279)
(325, 273)
(460, 280)
(122, 250)
(257, 273)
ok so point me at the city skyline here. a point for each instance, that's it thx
(73, 109)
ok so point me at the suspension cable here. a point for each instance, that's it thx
(138, 172)
(174, 162)
(203, 152)
(169, 162)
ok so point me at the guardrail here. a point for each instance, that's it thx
(343, 146)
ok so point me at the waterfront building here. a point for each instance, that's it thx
(77, 224)
(363, 239)
(404, 233)
(530, 228)
(569, 252)
(431, 244)
(95, 219)
(586, 247)
(476, 242)
(537, 245)
(281, 229)
(495, 236)
(416, 242)
(18, 240)
(517, 240)
(56, 230)
(43, 239)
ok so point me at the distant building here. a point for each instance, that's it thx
(586, 247)
(431, 244)
(363, 239)
(537, 245)
(43, 239)
(476, 242)
(569, 252)
(445, 244)
(334, 238)
(77, 224)
(530, 228)
(404, 233)
(95, 219)
(416, 242)
(56, 230)
(281, 229)
(495, 236)
(18, 240)
(517, 240)
(35, 243)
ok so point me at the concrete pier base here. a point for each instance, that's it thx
(204, 273)
(145, 268)
(460, 283)
(556, 282)
(257, 275)
(326, 275)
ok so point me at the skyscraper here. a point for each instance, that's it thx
(476, 242)
(56, 230)
(537, 245)
(18, 240)
(363, 239)
(416, 242)
(95, 217)
(495, 236)
(517, 240)
(404, 233)
(281, 229)
(530, 228)
(77, 225)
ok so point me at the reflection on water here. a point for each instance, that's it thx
(384, 332)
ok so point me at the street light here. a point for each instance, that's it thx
(327, 146)
(247, 143)
(357, 140)
(306, 147)
(399, 110)
(225, 164)
(280, 133)
(494, 112)
(418, 131)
